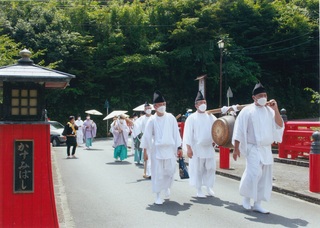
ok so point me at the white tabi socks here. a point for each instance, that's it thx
(158, 201)
(210, 191)
(200, 193)
(167, 193)
(257, 207)
(246, 203)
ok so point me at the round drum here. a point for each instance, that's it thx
(222, 130)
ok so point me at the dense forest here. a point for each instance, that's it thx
(121, 51)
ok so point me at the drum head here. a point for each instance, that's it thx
(222, 130)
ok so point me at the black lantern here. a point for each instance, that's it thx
(23, 86)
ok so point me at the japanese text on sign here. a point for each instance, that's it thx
(23, 166)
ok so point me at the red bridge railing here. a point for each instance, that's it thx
(297, 139)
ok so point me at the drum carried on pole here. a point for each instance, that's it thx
(222, 130)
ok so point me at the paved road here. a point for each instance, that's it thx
(95, 191)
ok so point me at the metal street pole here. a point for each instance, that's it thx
(220, 96)
(221, 46)
(106, 105)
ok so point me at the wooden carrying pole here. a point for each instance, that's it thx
(218, 110)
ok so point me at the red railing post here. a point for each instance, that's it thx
(224, 158)
(314, 163)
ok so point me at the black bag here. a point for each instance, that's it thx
(183, 169)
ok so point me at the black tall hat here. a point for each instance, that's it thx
(258, 89)
(146, 104)
(157, 97)
(199, 97)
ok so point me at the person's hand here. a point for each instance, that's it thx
(236, 153)
(189, 153)
(273, 104)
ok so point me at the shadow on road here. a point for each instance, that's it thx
(271, 219)
(169, 207)
(208, 200)
(119, 163)
(253, 216)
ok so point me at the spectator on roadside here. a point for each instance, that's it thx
(70, 133)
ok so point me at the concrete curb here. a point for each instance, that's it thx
(278, 189)
(284, 191)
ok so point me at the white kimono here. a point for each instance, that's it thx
(255, 128)
(142, 125)
(197, 134)
(79, 123)
(162, 138)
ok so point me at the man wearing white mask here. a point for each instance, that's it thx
(198, 142)
(161, 140)
(79, 124)
(256, 128)
(141, 125)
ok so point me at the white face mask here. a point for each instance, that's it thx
(162, 109)
(262, 101)
(203, 107)
(148, 111)
(79, 118)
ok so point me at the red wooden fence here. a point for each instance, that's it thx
(297, 139)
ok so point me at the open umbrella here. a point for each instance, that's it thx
(141, 108)
(114, 113)
(93, 112)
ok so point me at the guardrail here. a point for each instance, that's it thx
(297, 139)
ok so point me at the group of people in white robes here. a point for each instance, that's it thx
(256, 128)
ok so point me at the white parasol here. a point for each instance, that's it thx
(114, 113)
(141, 108)
(93, 112)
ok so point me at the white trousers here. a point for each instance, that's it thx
(202, 172)
(163, 171)
(148, 169)
(256, 181)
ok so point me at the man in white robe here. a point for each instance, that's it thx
(197, 140)
(79, 123)
(161, 140)
(141, 125)
(134, 129)
(256, 128)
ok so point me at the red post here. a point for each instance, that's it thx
(314, 163)
(181, 128)
(35, 207)
(224, 158)
(314, 174)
